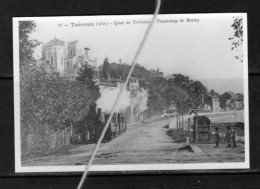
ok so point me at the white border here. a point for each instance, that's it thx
(132, 167)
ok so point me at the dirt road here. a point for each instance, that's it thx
(141, 144)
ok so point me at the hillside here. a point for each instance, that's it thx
(120, 71)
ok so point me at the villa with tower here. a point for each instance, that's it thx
(67, 59)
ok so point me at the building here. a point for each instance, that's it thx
(110, 85)
(74, 60)
(234, 101)
(215, 104)
(156, 73)
(133, 83)
(211, 103)
(54, 54)
(67, 59)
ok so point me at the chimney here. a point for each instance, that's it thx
(157, 70)
(120, 62)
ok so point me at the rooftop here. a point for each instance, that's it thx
(55, 42)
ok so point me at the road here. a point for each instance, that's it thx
(141, 144)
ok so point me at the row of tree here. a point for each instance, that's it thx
(181, 91)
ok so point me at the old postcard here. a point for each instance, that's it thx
(185, 106)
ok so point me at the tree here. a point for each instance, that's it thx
(143, 84)
(194, 89)
(182, 81)
(86, 77)
(237, 39)
(241, 98)
(106, 70)
(184, 92)
(49, 100)
(213, 93)
(157, 94)
(179, 97)
(26, 46)
(27, 63)
(224, 98)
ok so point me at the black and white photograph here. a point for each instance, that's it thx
(184, 107)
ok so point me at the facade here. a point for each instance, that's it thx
(133, 83)
(211, 103)
(53, 53)
(74, 59)
(215, 104)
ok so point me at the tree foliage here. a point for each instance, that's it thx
(106, 70)
(185, 93)
(194, 89)
(177, 96)
(157, 94)
(48, 101)
(237, 39)
(86, 77)
(120, 71)
(26, 45)
(212, 92)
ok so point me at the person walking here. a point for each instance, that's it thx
(228, 137)
(217, 137)
(234, 138)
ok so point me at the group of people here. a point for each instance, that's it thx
(230, 137)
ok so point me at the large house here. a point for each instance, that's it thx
(156, 73)
(67, 59)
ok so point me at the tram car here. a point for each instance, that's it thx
(204, 129)
(117, 125)
(84, 133)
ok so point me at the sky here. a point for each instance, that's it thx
(197, 46)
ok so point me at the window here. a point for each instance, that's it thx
(70, 51)
(51, 60)
(68, 64)
(61, 60)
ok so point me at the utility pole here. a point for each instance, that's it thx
(196, 113)
(182, 124)
(196, 126)
(189, 128)
(197, 97)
